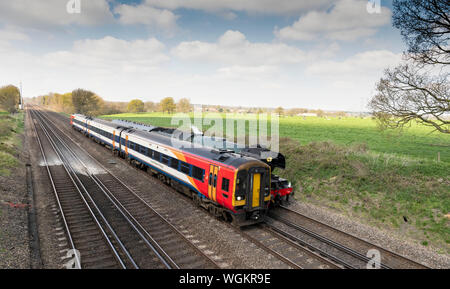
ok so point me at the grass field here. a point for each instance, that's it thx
(350, 166)
(10, 127)
(415, 142)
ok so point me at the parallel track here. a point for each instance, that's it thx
(168, 244)
(335, 242)
(84, 231)
(284, 249)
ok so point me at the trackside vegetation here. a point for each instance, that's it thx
(11, 126)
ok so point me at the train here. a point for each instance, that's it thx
(235, 184)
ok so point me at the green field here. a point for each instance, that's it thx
(415, 142)
(350, 166)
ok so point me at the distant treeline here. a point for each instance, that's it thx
(89, 103)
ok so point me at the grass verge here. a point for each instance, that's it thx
(406, 194)
(11, 126)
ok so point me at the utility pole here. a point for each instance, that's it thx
(21, 97)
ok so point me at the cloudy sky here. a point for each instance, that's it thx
(324, 54)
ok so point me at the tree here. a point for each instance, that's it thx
(86, 102)
(405, 95)
(167, 104)
(136, 105)
(150, 106)
(279, 110)
(417, 89)
(425, 27)
(9, 98)
(184, 105)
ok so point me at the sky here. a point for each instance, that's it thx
(321, 54)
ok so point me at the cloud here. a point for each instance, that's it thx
(48, 13)
(110, 54)
(364, 64)
(347, 20)
(232, 48)
(280, 7)
(8, 34)
(145, 14)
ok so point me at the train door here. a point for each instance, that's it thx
(259, 186)
(212, 182)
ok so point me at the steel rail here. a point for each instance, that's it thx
(299, 244)
(66, 162)
(396, 255)
(172, 227)
(330, 242)
(106, 238)
(121, 209)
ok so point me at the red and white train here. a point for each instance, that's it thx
(234, 185)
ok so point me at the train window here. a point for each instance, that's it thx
(215, 180)
(150, 153)
(137, 147)
(185, 168)
(174, 163)
(210, 179)
(225, 184)
(143, 150)
(157, 155)
(198, 173)
(165, 159)
(241, 184)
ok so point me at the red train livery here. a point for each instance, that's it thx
(231, 185)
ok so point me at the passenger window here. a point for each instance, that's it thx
(164, 159)
(156, 155)
(225, 184)
(198, 173)
(174, 163)
(185, 168)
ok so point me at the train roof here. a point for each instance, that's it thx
(191, 142)
(226, 157)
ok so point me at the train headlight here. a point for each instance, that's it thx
(238, 198)
(289, 185)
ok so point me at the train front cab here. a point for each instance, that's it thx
(252, 193)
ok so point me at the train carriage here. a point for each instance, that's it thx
(227, 184)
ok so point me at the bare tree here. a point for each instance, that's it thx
(425, 26)
(184, 105)
(406, 94)
(418, 89)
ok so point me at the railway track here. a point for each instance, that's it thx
(84, 231)
(350, 250)
(147, 238)
(286, 237)
(289, 252)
